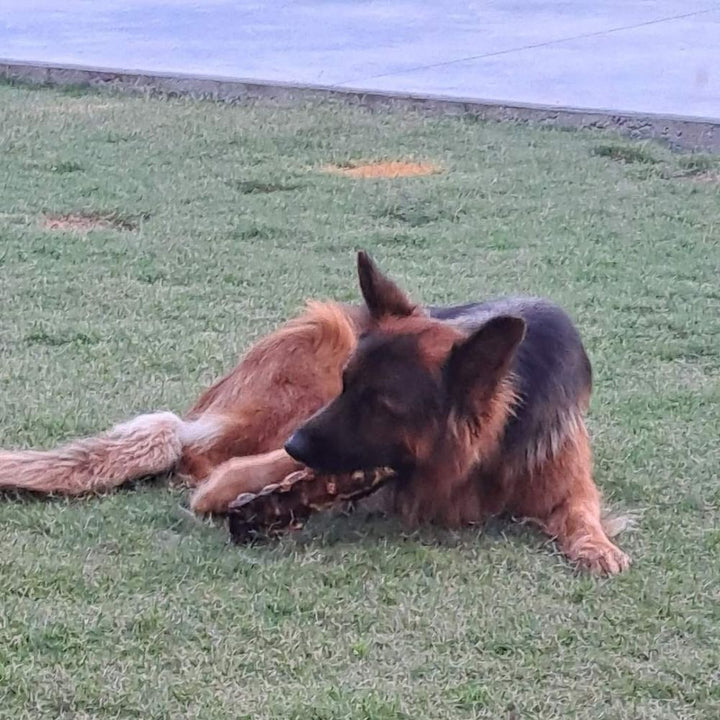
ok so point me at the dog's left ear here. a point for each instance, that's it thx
(382, 296)
(477, 364)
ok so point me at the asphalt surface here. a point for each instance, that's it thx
(648, 56)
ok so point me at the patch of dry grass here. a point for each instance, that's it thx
(384, 169)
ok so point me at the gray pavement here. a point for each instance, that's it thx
(643, 56)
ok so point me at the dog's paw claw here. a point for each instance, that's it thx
(603, 559)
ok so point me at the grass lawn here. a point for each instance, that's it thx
(218, 221)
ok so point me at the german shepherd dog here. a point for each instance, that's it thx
(478, 408)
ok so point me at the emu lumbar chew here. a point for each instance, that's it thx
(285, 506)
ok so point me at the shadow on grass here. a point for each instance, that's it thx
(339, 528)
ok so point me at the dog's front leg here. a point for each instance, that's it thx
(240, 475)
(575, 518)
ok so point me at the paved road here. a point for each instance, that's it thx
(659, 56)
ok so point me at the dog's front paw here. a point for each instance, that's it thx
(207, 500)
(199, 503)
(601, 558)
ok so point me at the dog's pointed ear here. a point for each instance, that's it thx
(382, 296)
(477, 364)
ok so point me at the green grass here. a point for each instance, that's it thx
(220, 225)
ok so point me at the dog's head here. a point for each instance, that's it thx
(410, 383)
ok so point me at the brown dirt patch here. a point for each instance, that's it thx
(384, 169)
(84, 223)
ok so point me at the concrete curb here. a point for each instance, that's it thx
(686, 133)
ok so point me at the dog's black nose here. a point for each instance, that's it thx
(298, 447)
